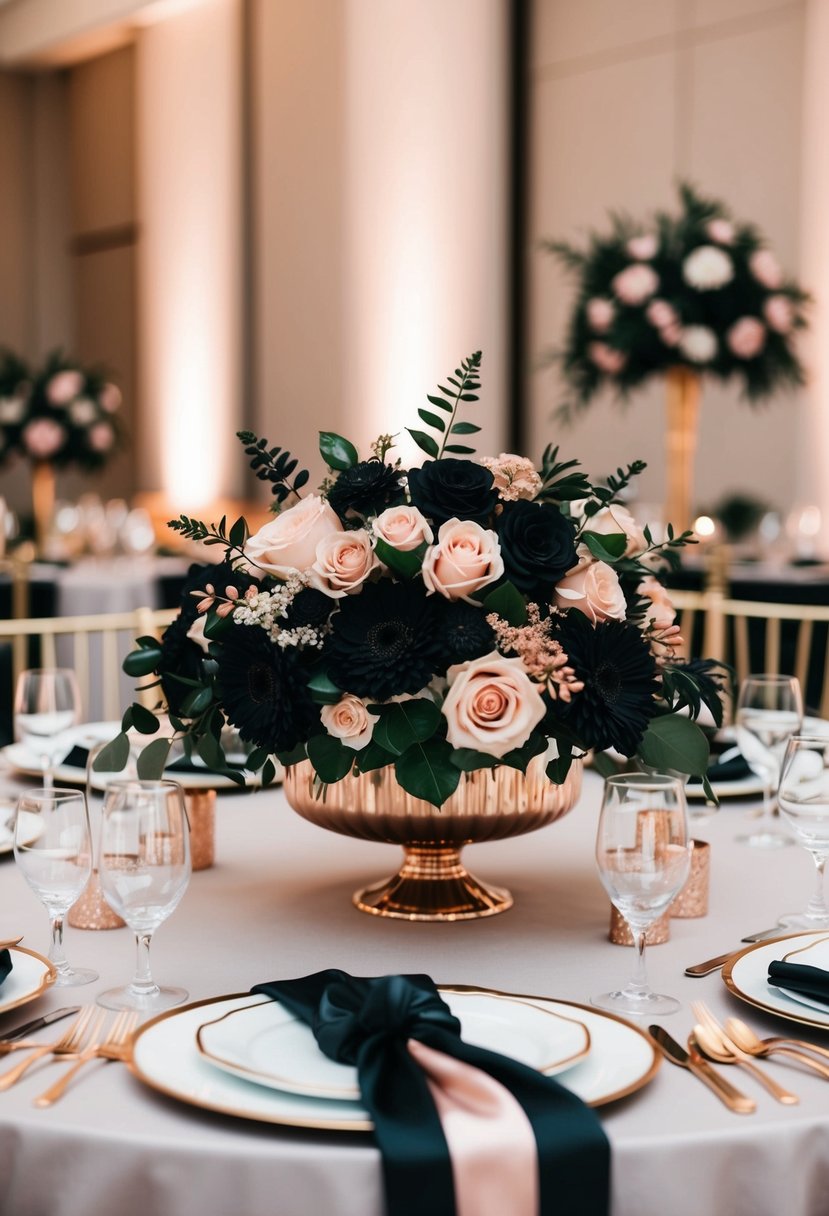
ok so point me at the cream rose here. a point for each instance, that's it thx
(343, 562)
(289, 542)
(466, 558)
(404, 528)
(614, 520)
(595, 590)
(349, 721)
(661, 612)
(492, 705)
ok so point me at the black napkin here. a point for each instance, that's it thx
(367, 1022)
(734, 769)
(808, 981)
(6, 964)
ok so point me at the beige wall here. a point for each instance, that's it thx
(625, 98)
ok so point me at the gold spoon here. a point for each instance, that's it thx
(746, 1039)
(715, 1049)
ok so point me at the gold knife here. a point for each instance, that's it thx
(711, 964)
(733, 1098)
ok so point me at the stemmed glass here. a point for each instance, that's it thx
(769, 712)
(53, 847)
(144, 867)
(46, 703)
(804, 802)
(644, 856)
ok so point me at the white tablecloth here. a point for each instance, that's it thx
(277, 904)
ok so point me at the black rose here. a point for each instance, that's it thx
(453, 489)
(366, 489)
(537, 545)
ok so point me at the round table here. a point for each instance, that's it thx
(277, 904)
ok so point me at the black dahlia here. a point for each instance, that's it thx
(308, 607)
(384, 641)
(537, 545)
(179, 657)
(464, 631)
(263, 690)
(619, 673)
(366, 489)
(453, 489)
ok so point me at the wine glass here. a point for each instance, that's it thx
(803, 797)
(769, 712)
(47, 702)
(144, 868)
(53, 847)
(644, 857)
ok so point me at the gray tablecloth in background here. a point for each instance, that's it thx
(277, 904)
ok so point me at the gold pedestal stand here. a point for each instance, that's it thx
(683, 388)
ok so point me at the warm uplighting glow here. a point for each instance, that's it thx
(705, 527)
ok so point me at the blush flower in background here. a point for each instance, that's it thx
(600, 313)
(635, 284)
(766, 269)
(698, 343)
(43, 438)
(746, 337)
(707, 268)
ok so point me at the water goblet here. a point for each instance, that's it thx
(53, 848)
(144, 868)
(644, 856)
(47, 702)
(769, 712)
(803, 797)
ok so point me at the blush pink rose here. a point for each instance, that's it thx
(288, 543)
(404, 528)
(606, 358)
(779, 314)
(671, 334)
(635, 284)
(766, 269)
(43, 438)
(746, 337)
(615, 520)
(600, 313)
(101, 437)
(722, 231)
(343, 562)
(63, 387)
(595, 590)
(642, 248)
(661, 612)
(466, 558)
(349, 721)
(660, 313)
(110, 398)
(492, 705)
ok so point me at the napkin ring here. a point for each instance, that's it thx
(201, 815)
(657, 932)
(693, 898)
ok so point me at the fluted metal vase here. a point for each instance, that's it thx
(432, 883)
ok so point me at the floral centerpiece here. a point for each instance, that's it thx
(464, 614)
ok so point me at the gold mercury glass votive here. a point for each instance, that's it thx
(693, 898)
(201, 815)
(91, 910)
(620, 933)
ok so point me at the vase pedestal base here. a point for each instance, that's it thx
(432, 885)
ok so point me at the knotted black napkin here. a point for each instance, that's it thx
(6, 964)
(797, 977)
(367, 1023)
(735, 769)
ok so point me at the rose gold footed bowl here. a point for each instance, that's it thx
(432, 884)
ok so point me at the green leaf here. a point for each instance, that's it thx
(196, 702)
(331, 760)
(468, 760)
(558, 769)
(268, 773)
(152, 760)
(407, 564)
(323, 689)
(459, 448)
(216, 626)
(425, 771)
(114, 756)
(425, 442)
(605, 548)
(142, 662)
(520, 757)
(294, 756)
(604, 764)
(211, 753)
(337, 452)
(239, 532)
(259, 755)
(464, 428)
(674, 743)
(710, 796)
(508, 602)
(143, 719)
(439, 401)
(432, 420)
(405, 723)
(372, 757)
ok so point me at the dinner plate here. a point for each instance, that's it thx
(746, 975)
(31, 974)
(267, 1044)
(165, 1057)
(31, 830)
(748, 787)
(92, 733)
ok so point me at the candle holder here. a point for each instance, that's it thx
(91, 910)
(693, 898)
(201, 815)
(620, 934)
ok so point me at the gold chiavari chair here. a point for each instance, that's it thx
(92, 661)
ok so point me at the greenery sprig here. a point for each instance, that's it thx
(275, 465)
(464, 386)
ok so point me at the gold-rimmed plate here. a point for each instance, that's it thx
(31, 975)
(746, 976)
(622, 1060)
(267, 1044)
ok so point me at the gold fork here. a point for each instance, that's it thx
(717, 1045)
(69, 1044)
(114, 1045)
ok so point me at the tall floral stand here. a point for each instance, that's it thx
(43, 501)
(683, 388)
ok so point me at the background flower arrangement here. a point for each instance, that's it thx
(441, 619)
(62, 414)
(696, 290)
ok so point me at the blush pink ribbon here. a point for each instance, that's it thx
(490, 1139)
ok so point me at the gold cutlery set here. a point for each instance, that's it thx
(92, 1035)
(736, 1043)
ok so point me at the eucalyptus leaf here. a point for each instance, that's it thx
(405, 723)
(142, 662)
(468, 760)
(143, 719)
(331, 760)
(113, 757)
(323, 689)
(337, 452)
(151, 761)
(674, 743)
(605, 547)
